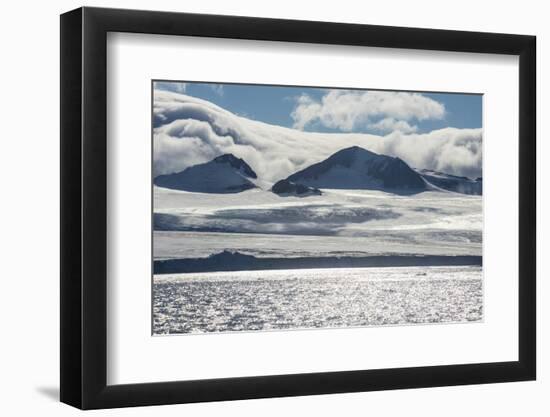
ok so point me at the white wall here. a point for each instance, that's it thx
(29, 208)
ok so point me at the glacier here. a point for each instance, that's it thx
(344, 222)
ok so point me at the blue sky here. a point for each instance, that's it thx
(319, 110)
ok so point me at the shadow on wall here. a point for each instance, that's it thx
(50, 392)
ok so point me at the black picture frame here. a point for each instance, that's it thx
(84, 207)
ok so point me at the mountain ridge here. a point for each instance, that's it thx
(349, 168)
(454, 183)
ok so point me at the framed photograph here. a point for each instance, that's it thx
(257, 208)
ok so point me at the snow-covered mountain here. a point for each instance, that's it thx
(463, 185)
(358, 168)
(224, 174)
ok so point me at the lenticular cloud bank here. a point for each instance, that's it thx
(190, 131)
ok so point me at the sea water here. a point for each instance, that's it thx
(315, 298)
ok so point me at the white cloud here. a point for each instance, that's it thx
(389, 124)
(307, 110)
(190, 131)
(450, 150)
(218, 89)
(175, 86)
(347, 110)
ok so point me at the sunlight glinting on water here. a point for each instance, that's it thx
(315, 298)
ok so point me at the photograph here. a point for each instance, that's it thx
(290, 207)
